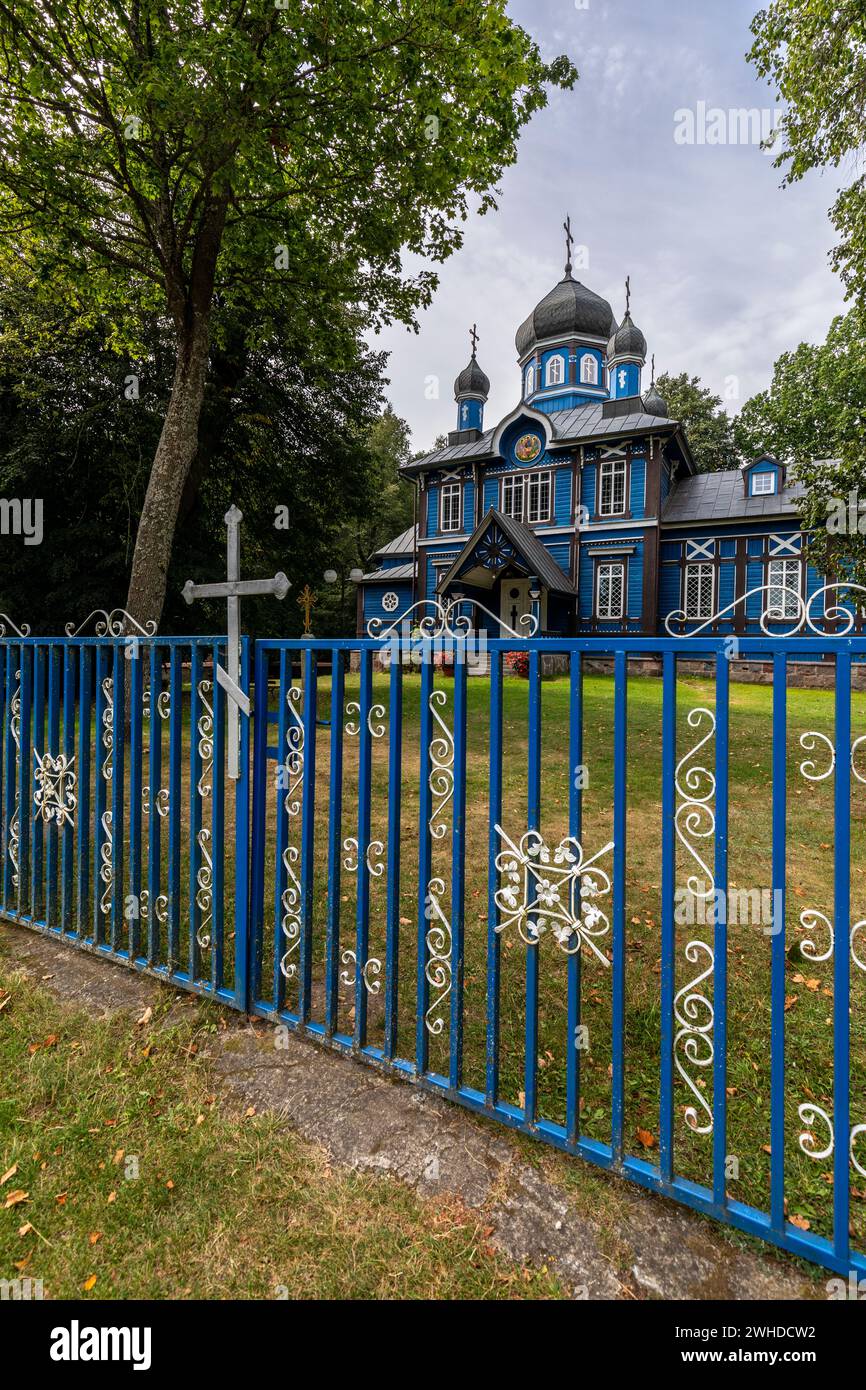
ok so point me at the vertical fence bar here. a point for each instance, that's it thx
(362, 912)
(83, 810)
(308, 828)
(38, 830)
(175, 799)
(620, 735)
(217, 828)
(154, 827)
(135, 662)
(669, 740)
(395, 774)
(195, 809)
(242, 908)
(842, 964)
(25, 779)
(67, 845)
(575, 816)
(777, 967)
(53, 751)
(493, 940)
(335, 842)
(100, 793)
(286, 906)
(424, 858)
(720, 936)
(458, 867)
(7, 694)
(118, 779)
(255, 935)
(533, 821)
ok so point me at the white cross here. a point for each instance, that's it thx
(233, 591)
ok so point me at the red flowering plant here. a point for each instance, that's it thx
(517, 664)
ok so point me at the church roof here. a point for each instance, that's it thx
(404, 544)
(569, 309)
(709, 497)
(395, 572)
(581, 424)
(536, 557)
(472, 381)
(627, 341)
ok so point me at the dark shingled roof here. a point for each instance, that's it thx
(719, 497)
(627, 341)
(569, 309)
(538, 558)
(579, 425)
(472, 381)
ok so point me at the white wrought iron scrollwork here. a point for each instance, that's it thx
(552, 888)
(693, 1013)
(22, 631)
(443, 620)
(15, 819)
(438, 965)
(106, 847)
(374, 714)
(117, 623)
(809, 1113)
(372, 967)
(374, 856)
(204, 872)
(836, 620)
(694, 818)
(290, 900)
(163, 797)
(55, 798)
(441, 778)
(810, 920)
(809, 767)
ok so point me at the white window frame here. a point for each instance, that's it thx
(611, 469)
(448, 520)
(530, 379)
(535, 483)
(701, 571)
(604, 570)
(554, 373)
(769, 477)
(589, 369)
(789, 591)
(515, 484)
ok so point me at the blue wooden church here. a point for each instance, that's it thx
(585, 500)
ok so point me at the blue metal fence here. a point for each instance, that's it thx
(441, 883)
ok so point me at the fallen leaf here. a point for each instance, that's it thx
(94, 1237)
(89, 1283)
(118, 1157)
(800, 1222)
(647, 1139)
(10, 1173)
(112, 1197)
(169, 1184)
(60, 1199)
(145, 1017)
(25, 1229)
(15, 1198)
(249, 1112)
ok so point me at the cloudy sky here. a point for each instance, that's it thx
(727, 269)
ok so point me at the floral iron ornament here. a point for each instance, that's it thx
(552, 889)
(55, 797)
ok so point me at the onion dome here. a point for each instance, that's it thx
(472, 381)
(569, 310)
(654, 404)
(627, 341)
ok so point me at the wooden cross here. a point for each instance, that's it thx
(307, 600)
(569, 242)
(474, 338)
(233, 591)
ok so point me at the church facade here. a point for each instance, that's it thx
(584, 506)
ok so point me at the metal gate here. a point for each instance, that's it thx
(505, 871)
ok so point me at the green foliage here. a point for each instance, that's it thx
(707, 425)
(814, 54)
(815, 411)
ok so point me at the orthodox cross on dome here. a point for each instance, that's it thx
(653, 370)
(473, 336)
(569, 242)
(627, 293)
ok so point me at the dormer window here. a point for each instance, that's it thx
(555, 371)
(763, 484)
(588, 370)
(530, 379)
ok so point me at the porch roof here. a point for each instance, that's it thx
(529, 555)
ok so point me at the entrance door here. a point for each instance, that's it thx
(515, 603)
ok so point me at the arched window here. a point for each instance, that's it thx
(530, 379)
(589, 369)
(555, 374)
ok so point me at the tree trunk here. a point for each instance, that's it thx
(174, 455)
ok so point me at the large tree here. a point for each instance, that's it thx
(171, 156)
(706, 423)
(814, 54)
(814, 416)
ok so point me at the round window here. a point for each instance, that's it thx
(390, 601)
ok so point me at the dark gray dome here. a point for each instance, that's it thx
(569, 309)
(472, 381)
(654, 404)
(627, 341)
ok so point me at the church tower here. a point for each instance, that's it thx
(626, 354)
(471, 390)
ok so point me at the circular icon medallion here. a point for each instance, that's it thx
(527, 448)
